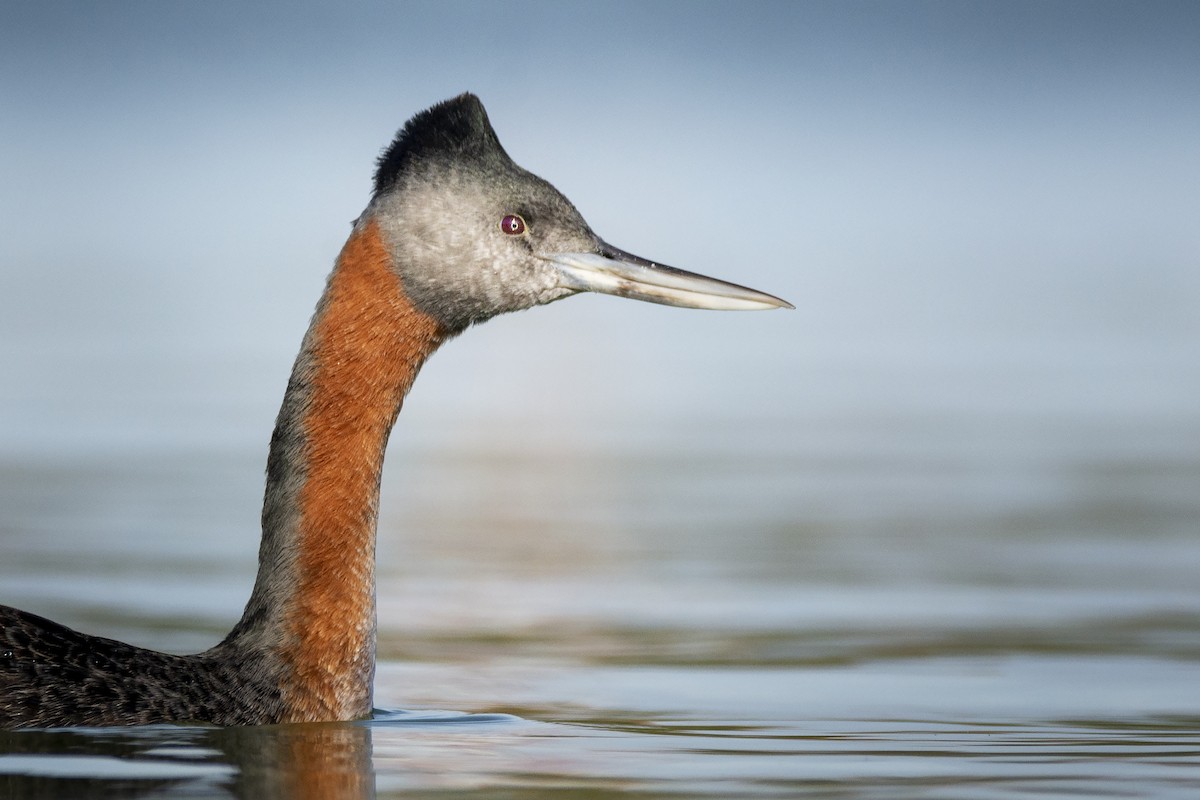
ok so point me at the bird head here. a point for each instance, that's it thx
(473, 235)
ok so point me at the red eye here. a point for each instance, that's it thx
(512, 225)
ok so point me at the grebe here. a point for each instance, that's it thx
(454, 234)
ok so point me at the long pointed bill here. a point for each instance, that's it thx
(613, 271)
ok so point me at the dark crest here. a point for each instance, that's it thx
(455, 128)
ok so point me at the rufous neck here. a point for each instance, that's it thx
(313, 605)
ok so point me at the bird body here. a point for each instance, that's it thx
(455, 233)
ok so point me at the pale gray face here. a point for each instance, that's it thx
(474, 240)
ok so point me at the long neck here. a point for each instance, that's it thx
(312, 611)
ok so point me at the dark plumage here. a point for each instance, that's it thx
(455, 128)
(51, 675)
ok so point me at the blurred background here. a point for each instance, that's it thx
(986, 215)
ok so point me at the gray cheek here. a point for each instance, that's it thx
(552, 293)
(453, 261)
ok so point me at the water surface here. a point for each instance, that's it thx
(953, 592)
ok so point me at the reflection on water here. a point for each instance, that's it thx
(408, 755)
(296, 761)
